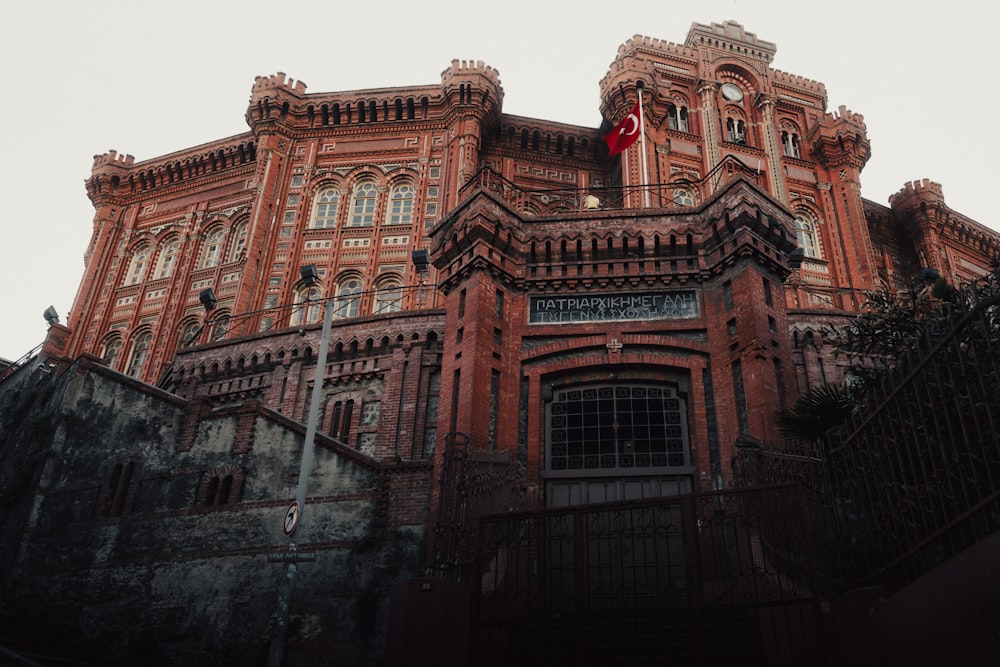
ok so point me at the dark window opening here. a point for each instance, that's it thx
(618, 426)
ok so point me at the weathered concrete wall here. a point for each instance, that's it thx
(133, 532)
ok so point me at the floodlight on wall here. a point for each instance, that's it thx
(420, 261)
(207, 298)
(796, 258)
(309, 274)
(51, 316)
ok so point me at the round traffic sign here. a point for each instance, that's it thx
(291, 518)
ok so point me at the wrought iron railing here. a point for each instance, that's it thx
(473, 482)
(680, 193)
(26, 358)
(915, 478)
(690, 575)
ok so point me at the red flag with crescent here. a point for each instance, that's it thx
(625, 133)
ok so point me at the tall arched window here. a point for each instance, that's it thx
(111, 349)
(736, 131)
(401, 205)
(307, 305)
(212, 250)
(790, 144)
(168, 258)
(363, 207)
(678, 117)
(348, 298)
(805, 233)
(389, 296)
(239, 242)
(137, 269)
(140, 352)
(325, 216)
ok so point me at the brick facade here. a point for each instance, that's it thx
(555, 273)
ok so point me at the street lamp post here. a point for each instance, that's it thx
(277, 650)
(310, 277)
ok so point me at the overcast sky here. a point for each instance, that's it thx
(151, 78)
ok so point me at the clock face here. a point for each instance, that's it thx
(732, 92)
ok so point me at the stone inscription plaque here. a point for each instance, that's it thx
(673, 305)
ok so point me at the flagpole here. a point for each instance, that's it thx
(642, 137)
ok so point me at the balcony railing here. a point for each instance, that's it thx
(677, 194)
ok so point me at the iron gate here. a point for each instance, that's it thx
(703, 579)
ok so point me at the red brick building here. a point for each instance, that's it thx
(612, 326)
(617, 323)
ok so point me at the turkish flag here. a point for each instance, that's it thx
(625, 133)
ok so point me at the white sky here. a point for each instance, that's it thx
(151, 78)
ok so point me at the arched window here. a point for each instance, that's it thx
(188, 334)
(139, 353)
(363, 207)
(389, 296)
(348, 298)
(307, 305)
(111, 349)
(683, 197)
(168, 258)
(239, 242)
(678, 117)
(736, 131)
(401, 205)
(790, 144)
(805, 233)
(325, 216)
(212, 250)
(137, 269)
(220, 325)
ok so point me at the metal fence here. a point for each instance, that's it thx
(915, 478)
(473, 482)
(692, 579)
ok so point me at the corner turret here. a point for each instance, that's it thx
(273, 99)
(840, 140)
(107, 173)
(473, 84)
(924, 195)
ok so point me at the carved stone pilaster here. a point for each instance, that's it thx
(772, 149)
(710, 128)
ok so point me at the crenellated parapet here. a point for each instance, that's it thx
(276, 84)
(840, 139)
(916, 193)
(647, 60)
(784, 79)
(798, 90)
(120, 176)
(473, 86)
(729, 38)
(274, 99)
(461, 70)
(111, 160)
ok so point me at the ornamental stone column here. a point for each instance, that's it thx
(772, 150)
(707, 90)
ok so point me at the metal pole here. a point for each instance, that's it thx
(277, 651)
(645, 169)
